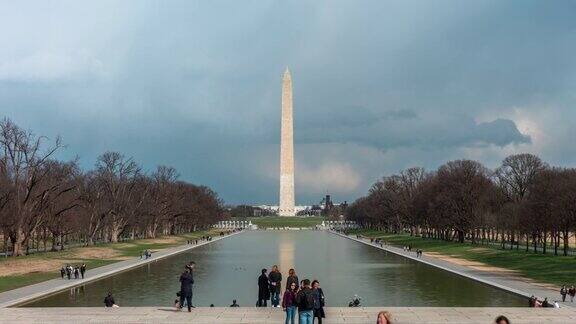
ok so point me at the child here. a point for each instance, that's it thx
(177, 301)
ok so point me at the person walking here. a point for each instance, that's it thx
(305, 302)
(563, 293)
(318, 301)
(289, 302)
(76, 272)
(572, 293)
(68, 272)
(292, 278)
(275, 278)
(186, 282)
(83, 269)
(62, 272)
(263, 289)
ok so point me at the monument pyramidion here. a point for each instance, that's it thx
(287, 149)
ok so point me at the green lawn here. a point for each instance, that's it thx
(277, 221)
(122, 251)
(547, 268)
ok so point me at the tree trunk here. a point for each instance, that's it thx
(45, 239)
(566, 242)
(54, 243)
(114, 233)
(18, 242)
(460, 236)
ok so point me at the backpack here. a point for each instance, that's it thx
(308, 299)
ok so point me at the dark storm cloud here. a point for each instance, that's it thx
(432, 132)
(196, 84)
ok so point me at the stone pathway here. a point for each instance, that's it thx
(503, 281)
(27, 293)
(412, 315)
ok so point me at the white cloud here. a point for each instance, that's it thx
(51, 66)
(331, 176)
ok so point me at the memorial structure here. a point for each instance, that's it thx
(286, 150)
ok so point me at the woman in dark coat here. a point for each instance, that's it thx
(263, 289)
(292, 278)
(318, 301)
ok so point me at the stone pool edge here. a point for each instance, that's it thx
(22, 295)
(488, 282)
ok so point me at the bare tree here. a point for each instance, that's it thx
(118, 175)
(24, 161)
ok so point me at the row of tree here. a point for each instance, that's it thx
(46, 202)
(522, 202)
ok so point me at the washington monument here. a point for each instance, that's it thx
(286, 150)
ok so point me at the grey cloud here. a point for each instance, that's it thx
(500, 132)
(196, 84)
(447, 131)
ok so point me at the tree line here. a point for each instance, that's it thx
(46, 203)
(523, 202)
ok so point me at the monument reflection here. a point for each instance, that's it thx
(286, 254)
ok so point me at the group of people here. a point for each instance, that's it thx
(408, 248)
(385, 317)
(145, 254)
(564, 292)
(206, 238)
(568, 291)
(534, 302)
(77, 271)
(304, 297)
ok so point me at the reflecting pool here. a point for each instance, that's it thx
(228, 269)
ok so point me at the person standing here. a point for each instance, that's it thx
(305, 302)
(76, 272)
(318, 301)
(563, 293)
(289, 302)
(263, 289)
(83, 269)
(275, 278)
(62, 272)
(68, 272)
(186, 281)
(292, 278)
(572, 293)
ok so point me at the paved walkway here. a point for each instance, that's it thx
(514, 284)
(27, 293)
(412, 315)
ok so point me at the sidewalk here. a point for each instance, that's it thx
(341, 315)
(511, 283)
(24, 294)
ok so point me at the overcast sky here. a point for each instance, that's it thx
(379, 86)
